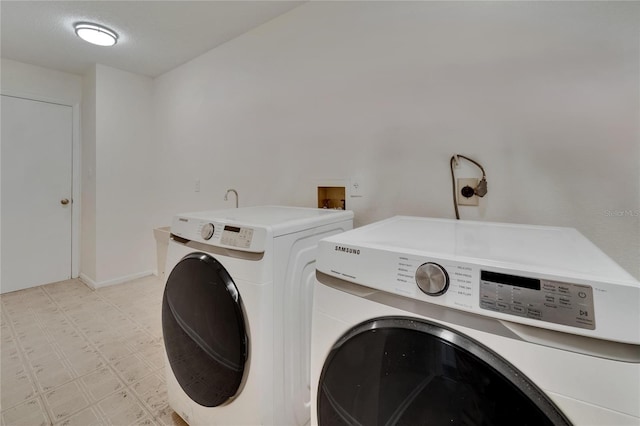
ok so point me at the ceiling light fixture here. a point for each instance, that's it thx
(96, 34)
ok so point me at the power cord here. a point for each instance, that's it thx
(480, 190)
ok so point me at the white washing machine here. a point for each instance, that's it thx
(236, 313)
(442, 322)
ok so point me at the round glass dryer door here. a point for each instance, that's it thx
(204, 330)
(405, 371)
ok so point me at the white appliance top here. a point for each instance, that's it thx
(247, 228)
(548, 277)
(543, 248)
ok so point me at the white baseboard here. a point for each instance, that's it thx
(95, 285)
(88, 281)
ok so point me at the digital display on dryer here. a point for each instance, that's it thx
(237, 237)
(514, 280)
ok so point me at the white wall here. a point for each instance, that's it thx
(116, 168)
(124, 176)
(117, 165)
(544, 95)
(41, 83)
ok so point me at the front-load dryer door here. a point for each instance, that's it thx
(204, 330)
(406, 371)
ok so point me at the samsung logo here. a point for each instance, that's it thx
(347, 250)
(183, 220)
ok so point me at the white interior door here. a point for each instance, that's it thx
(36, 174)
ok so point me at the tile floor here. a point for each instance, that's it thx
(75, 356)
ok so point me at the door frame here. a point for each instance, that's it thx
(75, 168)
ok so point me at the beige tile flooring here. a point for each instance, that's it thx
(71, 355)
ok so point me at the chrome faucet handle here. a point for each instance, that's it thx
(226, 196)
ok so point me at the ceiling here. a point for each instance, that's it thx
(154, 36)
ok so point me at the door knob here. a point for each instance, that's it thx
(64, 201)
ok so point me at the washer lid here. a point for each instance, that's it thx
(250, 228)
(279, 219)
(556, 250)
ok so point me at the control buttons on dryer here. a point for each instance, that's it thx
(207, 231)
(432, 279)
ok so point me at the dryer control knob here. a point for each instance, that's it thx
(207, 231)
(432, 279)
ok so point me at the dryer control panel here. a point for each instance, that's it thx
(551, 278)
(236, 236)
(220, 234)
(544, 300)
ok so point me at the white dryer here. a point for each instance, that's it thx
(236, 312)
(443, 322)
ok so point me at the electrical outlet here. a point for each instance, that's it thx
(465, 186)
(355, 187)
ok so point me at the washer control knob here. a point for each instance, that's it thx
(207, 231)
(432, 279)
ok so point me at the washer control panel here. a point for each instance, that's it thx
(543, 277)
(469, 287)
(551, 301)
(432, 279)
(236, 236)
(219, 234)
(206, 232)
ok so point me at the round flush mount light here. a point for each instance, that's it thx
(96, 34)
